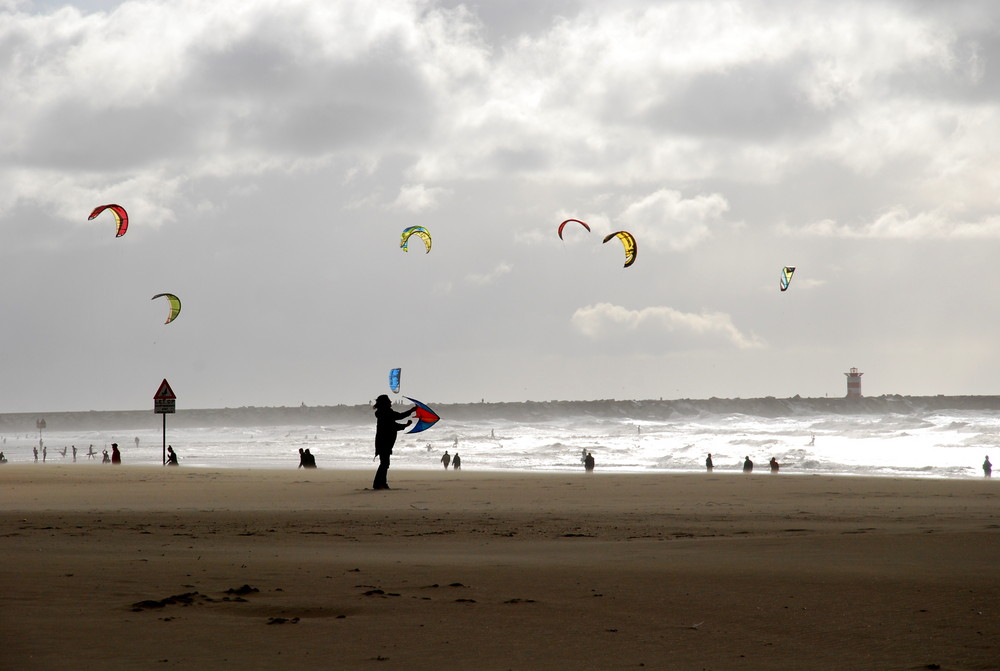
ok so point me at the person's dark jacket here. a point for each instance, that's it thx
(386, 428)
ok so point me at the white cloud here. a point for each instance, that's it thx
(665, 217)
(72, 199)
(417, 198)
(898, 223)
(604, 320)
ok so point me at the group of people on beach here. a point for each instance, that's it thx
(747, 464)
(115, 457)
(387, 427)
(455, 462)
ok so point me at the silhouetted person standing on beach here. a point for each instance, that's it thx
(171, 456)
(987, 468)
(774, 465)
(708, 463)
(116, 456)
(386, 429)
(456, 463)
(588, 463)
(446, 459)
(747, 465)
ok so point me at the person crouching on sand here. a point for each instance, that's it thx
(386, 429)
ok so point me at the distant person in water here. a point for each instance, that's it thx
(456, 463)
(171, 456)
(987, 468)
(446, 459)
(747, 465)
(90, 452)
(116, 456)
(708, 463)
(74, 453)
(386, 429)
(35, 450)
(774, 465)
(588, 463)
(812, 441)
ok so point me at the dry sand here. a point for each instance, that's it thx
(144, 568)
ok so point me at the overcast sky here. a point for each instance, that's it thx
(270, 153)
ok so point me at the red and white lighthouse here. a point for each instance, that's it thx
(854, 383)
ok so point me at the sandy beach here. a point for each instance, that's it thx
(133, 568)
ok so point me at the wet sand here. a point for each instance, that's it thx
(133, 567)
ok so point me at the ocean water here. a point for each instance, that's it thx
(931, 444)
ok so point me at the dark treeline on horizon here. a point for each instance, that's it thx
(525, 411)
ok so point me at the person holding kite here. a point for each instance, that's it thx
(386, 429)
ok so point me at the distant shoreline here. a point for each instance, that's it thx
(652, 410)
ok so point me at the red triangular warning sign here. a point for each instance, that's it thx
(164, 393)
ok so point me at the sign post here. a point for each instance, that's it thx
(164, 403)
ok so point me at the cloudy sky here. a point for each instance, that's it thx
(270, 153)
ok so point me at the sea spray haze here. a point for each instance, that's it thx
(945, 437)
